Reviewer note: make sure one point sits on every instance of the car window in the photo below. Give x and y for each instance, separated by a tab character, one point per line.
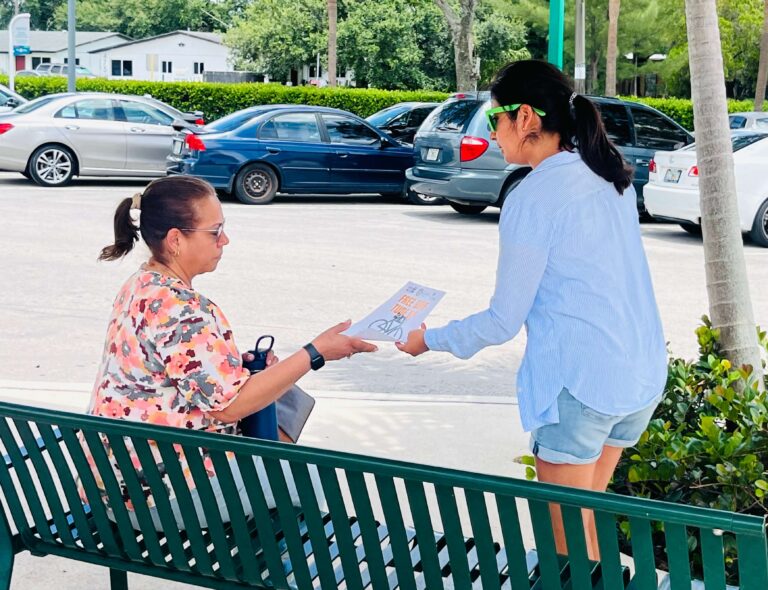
616	122
385	116
737	122
33	105
418	116
136	112
291	127
98	109
761	123
451	116
345	130
743	141
655	132
401	119
232	121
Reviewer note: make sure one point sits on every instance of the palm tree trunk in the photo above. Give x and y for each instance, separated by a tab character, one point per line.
730	306
762	69
332	17
461	28
614	7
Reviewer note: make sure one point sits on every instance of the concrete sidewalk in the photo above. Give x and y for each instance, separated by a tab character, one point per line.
476	434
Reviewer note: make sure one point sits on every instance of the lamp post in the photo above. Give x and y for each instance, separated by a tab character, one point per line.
580	67
71	57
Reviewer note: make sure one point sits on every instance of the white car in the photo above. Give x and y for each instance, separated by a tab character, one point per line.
672	192
751	120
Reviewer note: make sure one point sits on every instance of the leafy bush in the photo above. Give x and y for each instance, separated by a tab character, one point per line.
706	445
681	109
217	99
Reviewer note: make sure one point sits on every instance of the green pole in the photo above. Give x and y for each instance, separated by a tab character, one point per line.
556	31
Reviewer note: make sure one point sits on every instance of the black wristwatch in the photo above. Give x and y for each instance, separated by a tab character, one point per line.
316	360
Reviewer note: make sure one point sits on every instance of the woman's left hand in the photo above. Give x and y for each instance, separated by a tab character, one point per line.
415	344
271	358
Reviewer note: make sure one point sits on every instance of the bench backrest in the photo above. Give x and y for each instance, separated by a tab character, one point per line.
379	528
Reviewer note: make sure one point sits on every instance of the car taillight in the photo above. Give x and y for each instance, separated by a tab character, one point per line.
694	171
200	121
5	127
472	148
652	166
194	142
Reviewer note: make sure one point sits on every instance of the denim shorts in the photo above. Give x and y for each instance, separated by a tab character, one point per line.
581	434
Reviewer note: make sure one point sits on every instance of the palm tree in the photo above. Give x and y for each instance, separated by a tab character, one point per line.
762	69
332	16
614	6
730	306
460	24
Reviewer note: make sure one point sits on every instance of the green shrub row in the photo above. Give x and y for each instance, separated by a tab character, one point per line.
219	99
681	109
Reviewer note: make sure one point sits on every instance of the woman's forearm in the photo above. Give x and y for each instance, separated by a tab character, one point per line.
265	387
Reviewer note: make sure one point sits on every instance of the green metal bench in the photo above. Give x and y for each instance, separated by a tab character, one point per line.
389	524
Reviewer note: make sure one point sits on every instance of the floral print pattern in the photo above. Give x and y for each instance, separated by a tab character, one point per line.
170	358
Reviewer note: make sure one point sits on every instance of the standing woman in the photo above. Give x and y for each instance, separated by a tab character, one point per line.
572	269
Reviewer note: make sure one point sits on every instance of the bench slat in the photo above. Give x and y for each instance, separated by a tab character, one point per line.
288	521
27	484
580	568
128	548
679	560
369	529
642	554
382	534
753	573
343	528
425	534
545	544
714	565
607	541
398	538
517	567
481	531
454	536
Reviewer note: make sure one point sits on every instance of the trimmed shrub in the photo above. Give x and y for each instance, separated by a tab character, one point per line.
217	99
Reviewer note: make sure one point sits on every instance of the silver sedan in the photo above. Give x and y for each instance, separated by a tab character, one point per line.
59	136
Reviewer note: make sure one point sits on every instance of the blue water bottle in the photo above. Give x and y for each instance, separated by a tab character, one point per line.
262	424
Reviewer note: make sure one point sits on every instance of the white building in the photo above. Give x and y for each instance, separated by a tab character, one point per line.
51	46
176	56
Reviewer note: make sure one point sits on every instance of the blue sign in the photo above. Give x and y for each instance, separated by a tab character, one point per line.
21	50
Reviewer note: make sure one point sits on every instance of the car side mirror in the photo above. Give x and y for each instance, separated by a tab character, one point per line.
12	103
388	142
397	125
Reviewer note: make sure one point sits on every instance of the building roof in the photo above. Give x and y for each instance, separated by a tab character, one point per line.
210	37
54	41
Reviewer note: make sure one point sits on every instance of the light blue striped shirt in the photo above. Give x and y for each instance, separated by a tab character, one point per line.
572	269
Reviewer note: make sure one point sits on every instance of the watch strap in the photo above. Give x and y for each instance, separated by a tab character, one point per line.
316	360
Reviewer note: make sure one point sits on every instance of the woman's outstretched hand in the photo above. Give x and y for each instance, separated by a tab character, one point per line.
415	344
334	345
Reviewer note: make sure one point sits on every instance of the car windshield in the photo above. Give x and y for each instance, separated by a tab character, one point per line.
737	141
452	116
385	116
233	121
33	105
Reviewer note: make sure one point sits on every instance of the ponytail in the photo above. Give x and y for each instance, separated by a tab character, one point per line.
572	116
597	151
126	233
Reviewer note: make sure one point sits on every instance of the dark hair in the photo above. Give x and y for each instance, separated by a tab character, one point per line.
164	204
577	120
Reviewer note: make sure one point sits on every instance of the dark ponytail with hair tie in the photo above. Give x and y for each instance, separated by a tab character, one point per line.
126	232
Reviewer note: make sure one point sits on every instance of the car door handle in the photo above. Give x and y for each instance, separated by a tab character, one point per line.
642	161
342	154
137	130
273	150
72	127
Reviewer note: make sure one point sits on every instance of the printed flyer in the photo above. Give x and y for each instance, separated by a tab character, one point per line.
401	313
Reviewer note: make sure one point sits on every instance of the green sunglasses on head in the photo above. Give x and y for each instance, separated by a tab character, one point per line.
491	113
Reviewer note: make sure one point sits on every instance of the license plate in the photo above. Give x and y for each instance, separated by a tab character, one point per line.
672	175
432	155
177	147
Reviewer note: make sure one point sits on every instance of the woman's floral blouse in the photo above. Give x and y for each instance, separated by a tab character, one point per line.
169	359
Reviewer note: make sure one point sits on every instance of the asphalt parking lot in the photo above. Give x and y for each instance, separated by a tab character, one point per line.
292	269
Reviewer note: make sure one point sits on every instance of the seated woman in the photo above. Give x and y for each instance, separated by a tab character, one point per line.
170	356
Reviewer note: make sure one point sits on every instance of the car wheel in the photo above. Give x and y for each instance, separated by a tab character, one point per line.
468	209
421	199
52	165
759	233
692	228
256	184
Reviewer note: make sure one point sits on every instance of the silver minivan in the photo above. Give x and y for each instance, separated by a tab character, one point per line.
456	159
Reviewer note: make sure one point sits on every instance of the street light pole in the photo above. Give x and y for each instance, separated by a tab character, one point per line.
580	67
71	57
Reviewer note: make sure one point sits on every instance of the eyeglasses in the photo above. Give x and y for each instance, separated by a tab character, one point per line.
218	231
491	113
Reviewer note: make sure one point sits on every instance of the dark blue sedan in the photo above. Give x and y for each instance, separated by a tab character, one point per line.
256	152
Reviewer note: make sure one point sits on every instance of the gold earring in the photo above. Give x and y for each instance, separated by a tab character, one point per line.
176	254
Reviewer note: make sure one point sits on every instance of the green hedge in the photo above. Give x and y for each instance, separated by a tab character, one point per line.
681	109
218	99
